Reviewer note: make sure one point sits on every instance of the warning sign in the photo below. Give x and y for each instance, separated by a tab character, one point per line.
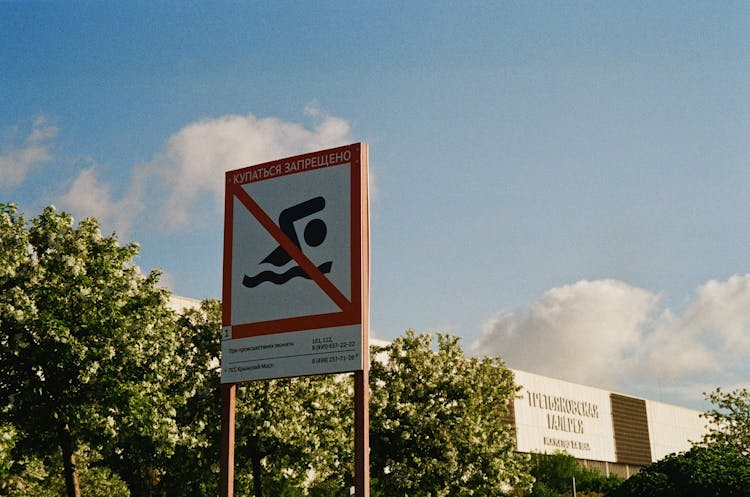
295	283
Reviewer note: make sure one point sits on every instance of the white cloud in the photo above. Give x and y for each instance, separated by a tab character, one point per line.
585	330
712	334
17	161
87	196
183	185
610	334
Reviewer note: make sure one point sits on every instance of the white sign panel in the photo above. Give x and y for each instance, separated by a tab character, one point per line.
296	266
296	353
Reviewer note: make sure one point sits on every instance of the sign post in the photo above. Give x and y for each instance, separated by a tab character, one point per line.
296	282
226	463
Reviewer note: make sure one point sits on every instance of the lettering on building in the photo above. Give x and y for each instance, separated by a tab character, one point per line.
565	416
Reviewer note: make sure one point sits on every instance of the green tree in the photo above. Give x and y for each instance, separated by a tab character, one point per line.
293	435
436	423
553	475
7	443
87	348
32	476
296	434
729	420
701	471
192	470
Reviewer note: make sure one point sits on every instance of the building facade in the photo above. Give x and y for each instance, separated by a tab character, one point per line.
610	432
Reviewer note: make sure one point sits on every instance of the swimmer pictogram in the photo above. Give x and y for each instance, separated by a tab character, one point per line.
314	234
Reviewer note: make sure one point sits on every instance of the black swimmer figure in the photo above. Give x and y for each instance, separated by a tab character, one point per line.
314	234
315	231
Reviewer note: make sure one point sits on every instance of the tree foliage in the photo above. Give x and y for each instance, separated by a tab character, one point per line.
87	347
295	434
34	476
729	420
436	421
701	471
192	470
553	476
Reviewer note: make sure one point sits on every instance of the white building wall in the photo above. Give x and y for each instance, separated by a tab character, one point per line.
180	304
672	428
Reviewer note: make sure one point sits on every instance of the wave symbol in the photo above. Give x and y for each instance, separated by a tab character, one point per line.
281	278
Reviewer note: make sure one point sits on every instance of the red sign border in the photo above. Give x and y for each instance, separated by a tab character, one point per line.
351	313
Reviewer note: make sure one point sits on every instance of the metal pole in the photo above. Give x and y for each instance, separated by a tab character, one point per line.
361	434
574	486
226	461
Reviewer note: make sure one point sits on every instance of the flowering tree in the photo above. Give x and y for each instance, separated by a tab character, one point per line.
86	348
294	435
729	420
436	423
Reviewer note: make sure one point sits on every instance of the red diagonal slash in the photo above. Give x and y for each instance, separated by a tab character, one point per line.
299	257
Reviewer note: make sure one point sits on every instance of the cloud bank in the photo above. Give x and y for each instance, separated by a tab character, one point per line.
17	160
182	186
610	334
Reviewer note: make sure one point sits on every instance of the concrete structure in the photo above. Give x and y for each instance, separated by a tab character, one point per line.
180	304
608	431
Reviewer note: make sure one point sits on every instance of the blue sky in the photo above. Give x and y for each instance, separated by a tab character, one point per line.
564	184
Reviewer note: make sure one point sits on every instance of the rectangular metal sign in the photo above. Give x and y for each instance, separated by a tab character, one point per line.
296	266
